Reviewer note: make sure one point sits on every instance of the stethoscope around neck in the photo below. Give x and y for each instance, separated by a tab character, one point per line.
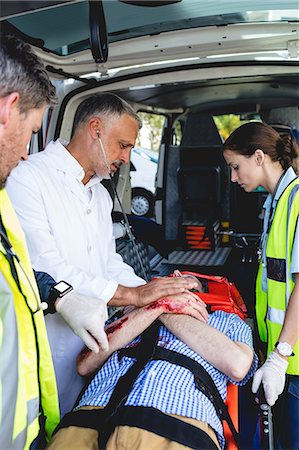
41	306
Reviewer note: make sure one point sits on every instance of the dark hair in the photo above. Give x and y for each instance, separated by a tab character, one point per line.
103	105
22	71
251	136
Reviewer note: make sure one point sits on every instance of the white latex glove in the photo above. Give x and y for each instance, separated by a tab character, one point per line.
272	376
86	316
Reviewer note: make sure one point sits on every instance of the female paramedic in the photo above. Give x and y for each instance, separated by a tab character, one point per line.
258	156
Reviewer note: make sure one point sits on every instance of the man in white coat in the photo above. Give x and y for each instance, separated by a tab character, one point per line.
65	212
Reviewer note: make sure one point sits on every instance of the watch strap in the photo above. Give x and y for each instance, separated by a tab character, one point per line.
53	296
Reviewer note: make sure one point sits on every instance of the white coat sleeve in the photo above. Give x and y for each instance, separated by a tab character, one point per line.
26	196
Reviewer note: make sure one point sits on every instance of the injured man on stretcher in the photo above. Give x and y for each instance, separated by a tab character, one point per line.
146	393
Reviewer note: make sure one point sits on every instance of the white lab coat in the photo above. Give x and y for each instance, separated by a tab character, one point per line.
68	227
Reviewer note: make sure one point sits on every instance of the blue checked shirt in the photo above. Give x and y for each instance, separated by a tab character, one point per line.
171	388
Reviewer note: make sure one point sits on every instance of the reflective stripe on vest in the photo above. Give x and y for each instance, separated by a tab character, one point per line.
31	350
275	315
271	305
292	195
9	365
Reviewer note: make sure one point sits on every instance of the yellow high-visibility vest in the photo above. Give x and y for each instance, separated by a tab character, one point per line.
27	378
271	305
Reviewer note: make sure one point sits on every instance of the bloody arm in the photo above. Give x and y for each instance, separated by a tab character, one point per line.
124	330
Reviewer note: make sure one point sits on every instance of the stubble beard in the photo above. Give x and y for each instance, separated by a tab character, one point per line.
7	163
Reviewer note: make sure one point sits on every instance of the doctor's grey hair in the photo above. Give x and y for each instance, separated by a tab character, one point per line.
22	71
103	105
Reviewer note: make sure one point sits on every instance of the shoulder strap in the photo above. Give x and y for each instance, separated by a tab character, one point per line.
144	353
202	379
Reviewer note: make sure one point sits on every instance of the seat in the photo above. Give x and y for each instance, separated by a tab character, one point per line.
201	182
202	190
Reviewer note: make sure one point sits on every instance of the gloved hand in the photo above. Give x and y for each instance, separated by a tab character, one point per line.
86	316
272	376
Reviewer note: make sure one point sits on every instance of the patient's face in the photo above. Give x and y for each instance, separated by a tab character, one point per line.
199	286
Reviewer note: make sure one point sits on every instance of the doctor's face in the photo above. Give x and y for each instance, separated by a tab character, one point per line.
118	136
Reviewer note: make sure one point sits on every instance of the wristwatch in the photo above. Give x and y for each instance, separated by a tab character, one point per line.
284	349
59	290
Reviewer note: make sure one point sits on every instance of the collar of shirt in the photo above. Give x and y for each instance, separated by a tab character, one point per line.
284	181
64	161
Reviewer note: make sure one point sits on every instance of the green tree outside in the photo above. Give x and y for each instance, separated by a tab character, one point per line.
227	123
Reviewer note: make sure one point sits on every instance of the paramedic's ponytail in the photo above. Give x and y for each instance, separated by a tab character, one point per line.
288	152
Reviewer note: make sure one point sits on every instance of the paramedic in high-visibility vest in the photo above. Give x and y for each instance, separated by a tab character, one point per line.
259	156
29	409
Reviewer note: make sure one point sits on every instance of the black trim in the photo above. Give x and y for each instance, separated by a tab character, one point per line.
150	3
98	32
276	269
83	418
174	429
145	418
88	81
8	255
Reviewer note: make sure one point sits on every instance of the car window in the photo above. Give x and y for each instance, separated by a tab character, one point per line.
144	163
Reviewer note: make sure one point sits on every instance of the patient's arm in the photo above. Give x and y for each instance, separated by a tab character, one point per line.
124	330
232	358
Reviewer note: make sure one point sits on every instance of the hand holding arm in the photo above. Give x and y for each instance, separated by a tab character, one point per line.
124	330
151	291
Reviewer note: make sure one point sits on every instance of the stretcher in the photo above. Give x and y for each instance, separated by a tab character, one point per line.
223	295
265	422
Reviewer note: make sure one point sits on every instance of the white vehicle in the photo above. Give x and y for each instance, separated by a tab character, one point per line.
143	171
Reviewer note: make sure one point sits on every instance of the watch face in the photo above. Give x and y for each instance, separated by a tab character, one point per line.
62	286
284	348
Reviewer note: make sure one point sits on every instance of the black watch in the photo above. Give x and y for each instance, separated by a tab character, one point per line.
57	291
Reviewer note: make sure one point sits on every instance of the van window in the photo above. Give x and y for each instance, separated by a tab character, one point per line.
151	132
177	133
227	123
144	163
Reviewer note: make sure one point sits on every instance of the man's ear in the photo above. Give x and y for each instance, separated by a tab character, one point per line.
7	104
259	157
95	126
